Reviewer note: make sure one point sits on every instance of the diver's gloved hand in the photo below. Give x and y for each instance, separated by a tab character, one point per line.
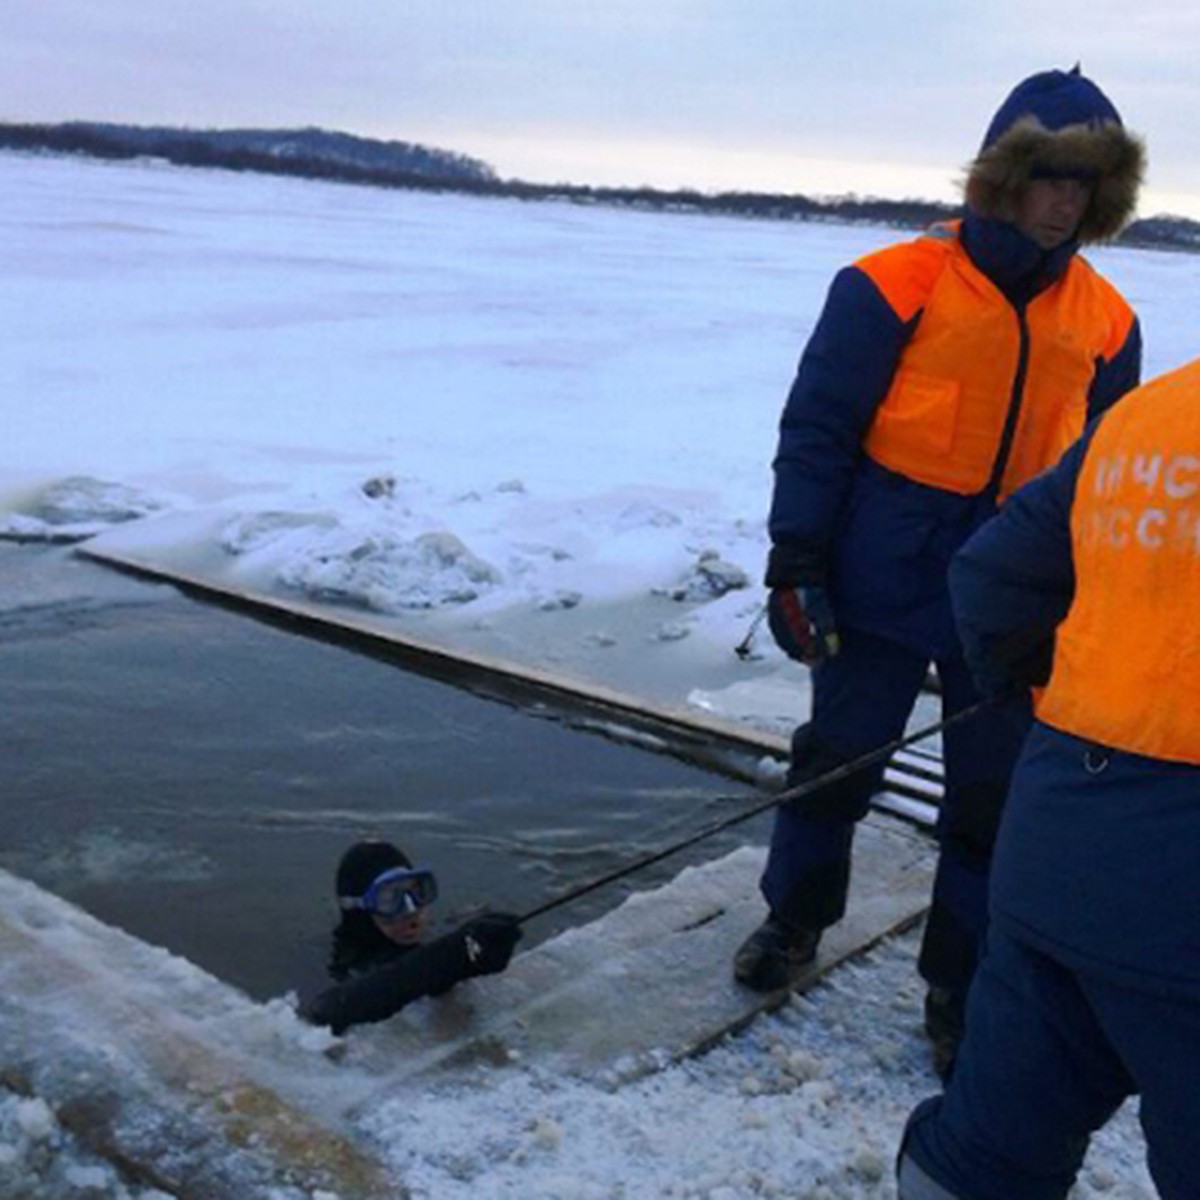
488	942
316	1010
799	611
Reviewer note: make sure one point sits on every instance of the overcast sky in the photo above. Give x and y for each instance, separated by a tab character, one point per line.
818	96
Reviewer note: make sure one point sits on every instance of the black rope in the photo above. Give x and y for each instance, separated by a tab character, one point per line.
795	793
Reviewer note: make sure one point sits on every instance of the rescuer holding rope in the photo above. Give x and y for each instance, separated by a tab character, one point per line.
1089	990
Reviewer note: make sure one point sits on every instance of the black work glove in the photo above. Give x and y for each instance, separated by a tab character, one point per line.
488	942
799	611
1022	660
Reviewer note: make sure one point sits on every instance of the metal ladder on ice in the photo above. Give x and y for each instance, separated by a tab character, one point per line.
913	785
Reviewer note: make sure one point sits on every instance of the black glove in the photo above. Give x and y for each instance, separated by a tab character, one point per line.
318	1010
1023	660
799	612
488	942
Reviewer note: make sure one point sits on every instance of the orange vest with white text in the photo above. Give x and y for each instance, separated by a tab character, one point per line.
942	421
1127	656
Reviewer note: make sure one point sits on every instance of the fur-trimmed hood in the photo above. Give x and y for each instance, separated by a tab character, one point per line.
1059	123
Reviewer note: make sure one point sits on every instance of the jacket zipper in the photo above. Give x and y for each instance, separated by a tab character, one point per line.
1000	464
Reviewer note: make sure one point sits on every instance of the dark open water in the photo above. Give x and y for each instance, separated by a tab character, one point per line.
192	775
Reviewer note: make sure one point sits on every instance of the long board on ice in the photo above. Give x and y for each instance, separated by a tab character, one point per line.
912	783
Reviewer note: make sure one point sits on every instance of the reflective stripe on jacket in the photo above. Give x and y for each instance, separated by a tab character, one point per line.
1127	656
987	395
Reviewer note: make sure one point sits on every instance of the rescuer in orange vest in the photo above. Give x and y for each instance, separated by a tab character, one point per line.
1089	989
943	373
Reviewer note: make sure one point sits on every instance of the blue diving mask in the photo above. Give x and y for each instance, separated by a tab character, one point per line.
397	892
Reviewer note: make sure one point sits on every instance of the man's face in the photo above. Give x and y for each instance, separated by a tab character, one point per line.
1051	209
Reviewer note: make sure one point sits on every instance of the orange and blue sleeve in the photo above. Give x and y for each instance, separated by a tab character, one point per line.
844	374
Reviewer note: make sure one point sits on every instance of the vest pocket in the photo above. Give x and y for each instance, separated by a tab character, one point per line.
919	416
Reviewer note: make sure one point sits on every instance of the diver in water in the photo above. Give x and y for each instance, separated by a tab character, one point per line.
379	961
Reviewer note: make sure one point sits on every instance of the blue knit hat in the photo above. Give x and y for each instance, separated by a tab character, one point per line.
1057	99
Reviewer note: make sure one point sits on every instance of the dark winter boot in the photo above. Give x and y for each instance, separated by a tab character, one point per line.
772	956
944	1023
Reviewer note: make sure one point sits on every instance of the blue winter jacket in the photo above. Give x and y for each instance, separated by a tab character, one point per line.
1098	855
887	540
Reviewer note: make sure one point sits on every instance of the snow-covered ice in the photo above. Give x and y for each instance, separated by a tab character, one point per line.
807	1103
538	430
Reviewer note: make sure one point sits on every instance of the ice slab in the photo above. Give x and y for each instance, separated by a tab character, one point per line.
185	1084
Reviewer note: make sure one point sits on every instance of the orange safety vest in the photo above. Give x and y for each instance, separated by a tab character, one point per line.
942	422
1127	656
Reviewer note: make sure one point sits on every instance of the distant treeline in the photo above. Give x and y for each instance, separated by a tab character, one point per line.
321	154
312	153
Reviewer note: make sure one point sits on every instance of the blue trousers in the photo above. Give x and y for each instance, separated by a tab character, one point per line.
862	699
1050	1053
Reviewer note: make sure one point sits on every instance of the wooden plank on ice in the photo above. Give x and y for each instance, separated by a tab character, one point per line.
687	732
650	982
682	729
